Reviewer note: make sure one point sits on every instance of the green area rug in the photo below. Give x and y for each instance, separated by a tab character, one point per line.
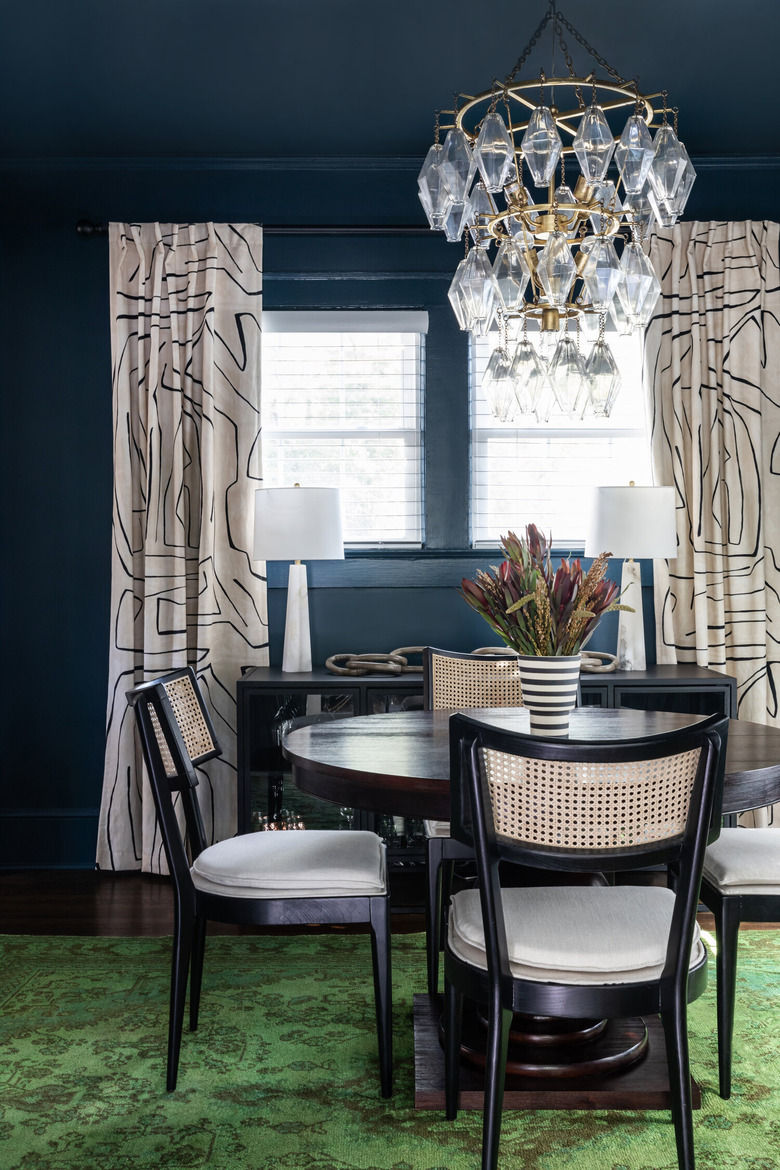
282	1070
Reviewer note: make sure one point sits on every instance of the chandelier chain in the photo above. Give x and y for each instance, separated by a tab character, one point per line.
589	48
529	47
664	95
564	46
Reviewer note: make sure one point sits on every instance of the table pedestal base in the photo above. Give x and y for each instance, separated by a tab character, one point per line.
644	1085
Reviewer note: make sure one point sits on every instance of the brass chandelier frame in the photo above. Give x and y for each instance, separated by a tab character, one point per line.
538	220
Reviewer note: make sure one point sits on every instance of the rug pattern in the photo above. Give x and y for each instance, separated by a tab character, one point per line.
282	1072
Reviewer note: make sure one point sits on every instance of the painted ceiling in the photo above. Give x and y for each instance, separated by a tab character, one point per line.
351	78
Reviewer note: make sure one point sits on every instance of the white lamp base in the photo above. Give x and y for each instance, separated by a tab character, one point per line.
297	639
631	626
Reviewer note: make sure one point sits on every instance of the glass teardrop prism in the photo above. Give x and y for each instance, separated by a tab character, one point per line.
556	269
541	145
602	378
594	144
457	164
494	152
512	274
529	376
567	377
601	272
434	192
634	154
498	385
668	165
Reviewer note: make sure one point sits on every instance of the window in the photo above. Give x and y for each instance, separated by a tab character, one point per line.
342	401
542	472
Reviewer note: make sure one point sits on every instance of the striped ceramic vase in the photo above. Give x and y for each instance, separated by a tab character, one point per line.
549	691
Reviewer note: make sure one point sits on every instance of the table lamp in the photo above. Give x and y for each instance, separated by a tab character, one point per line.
292	524
632	522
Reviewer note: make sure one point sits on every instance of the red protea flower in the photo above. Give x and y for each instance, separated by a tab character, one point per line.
558	620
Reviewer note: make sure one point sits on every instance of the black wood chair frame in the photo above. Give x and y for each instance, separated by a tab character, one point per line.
742	793
193	908
441	853
503	994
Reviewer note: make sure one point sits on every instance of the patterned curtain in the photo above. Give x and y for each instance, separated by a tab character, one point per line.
185	337
712	359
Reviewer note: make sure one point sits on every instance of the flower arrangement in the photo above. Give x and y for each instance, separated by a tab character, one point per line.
538	612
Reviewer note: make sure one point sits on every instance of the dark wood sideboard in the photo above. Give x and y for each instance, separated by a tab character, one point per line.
271	701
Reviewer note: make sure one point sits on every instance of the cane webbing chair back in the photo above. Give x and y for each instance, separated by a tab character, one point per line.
177	736
186	715
461	681
162	743
601	799
570	804
189	714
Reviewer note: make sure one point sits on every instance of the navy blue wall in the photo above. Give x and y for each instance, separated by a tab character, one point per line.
55	441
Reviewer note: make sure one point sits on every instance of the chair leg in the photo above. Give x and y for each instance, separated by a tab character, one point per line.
445	893
453	1026
675	1022
495	1075
183	929
196	969
727	918
434	852
383	989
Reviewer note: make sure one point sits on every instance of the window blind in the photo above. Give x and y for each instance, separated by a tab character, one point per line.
543	473
342	402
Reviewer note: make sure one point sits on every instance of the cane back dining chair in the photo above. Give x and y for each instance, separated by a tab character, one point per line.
741	883
457	681
577	951
261	879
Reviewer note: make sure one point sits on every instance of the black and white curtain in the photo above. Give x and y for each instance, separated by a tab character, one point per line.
712	359
185	336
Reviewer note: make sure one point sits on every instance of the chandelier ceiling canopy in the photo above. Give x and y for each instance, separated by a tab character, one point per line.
606	167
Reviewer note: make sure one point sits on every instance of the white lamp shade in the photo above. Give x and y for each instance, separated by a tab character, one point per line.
298	523
632	522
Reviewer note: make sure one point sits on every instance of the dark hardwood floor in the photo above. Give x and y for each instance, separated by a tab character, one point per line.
91	902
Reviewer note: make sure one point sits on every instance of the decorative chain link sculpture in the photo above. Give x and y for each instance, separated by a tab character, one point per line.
395	662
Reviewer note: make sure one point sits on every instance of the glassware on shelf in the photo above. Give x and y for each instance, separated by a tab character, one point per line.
285	819
346	818
387	830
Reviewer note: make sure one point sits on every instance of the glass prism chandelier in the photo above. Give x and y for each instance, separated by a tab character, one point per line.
571	255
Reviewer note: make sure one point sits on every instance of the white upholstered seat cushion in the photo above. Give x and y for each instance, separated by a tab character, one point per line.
308	863
574	934
436	828
744	861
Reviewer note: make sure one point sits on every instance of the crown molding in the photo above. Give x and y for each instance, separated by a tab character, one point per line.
399	164
330	277
212	163
736	162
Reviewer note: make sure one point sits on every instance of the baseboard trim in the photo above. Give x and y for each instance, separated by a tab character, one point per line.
48	838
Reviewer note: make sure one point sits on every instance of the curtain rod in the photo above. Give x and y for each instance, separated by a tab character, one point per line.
86	229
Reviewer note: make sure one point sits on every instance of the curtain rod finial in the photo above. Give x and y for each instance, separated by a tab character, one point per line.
86	229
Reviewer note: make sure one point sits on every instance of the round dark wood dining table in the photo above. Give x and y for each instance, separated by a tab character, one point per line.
399	763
